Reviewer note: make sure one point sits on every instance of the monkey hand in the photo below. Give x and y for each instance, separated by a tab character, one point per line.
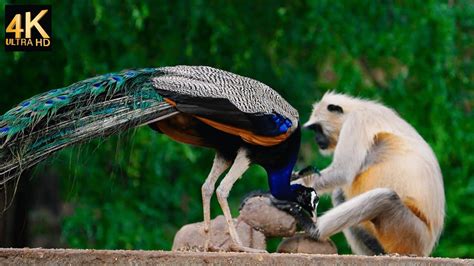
306	177
307	171
302	217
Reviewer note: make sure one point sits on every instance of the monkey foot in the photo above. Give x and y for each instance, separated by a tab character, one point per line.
240	248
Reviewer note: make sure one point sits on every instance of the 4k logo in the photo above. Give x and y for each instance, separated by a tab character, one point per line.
28	28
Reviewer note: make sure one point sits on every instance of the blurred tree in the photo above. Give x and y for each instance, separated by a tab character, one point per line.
135	190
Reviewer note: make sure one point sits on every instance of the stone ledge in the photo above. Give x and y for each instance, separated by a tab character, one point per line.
79	256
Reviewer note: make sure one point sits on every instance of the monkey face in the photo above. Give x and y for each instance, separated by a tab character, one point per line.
326	121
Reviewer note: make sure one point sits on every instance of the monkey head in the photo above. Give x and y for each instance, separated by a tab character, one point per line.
326	120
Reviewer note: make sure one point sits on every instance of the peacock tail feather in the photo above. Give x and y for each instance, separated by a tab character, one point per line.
95	107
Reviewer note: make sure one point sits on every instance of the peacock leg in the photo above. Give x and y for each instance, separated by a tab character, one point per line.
241	164
207	189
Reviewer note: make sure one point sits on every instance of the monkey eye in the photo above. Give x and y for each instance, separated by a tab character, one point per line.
335	108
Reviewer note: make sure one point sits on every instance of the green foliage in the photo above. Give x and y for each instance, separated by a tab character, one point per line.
136	190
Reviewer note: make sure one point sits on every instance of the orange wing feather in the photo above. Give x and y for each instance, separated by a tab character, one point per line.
246	135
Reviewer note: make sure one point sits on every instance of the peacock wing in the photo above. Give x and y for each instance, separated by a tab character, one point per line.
229	102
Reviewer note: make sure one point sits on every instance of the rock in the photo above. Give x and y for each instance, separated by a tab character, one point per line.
191	237
259	213
301	243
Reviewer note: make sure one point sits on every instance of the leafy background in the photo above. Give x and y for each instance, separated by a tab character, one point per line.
135	190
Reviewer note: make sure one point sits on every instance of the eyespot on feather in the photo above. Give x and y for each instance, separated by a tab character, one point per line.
117	78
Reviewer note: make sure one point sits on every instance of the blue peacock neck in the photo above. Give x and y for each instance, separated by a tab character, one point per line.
279	175
279	181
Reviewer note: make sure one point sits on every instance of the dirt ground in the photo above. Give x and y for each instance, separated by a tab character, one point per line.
75	257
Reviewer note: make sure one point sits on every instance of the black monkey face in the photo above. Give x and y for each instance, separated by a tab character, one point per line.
326	121
321	139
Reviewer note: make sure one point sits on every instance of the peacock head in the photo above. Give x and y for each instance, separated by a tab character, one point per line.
306	197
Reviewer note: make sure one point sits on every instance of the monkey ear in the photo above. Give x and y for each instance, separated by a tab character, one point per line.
335	108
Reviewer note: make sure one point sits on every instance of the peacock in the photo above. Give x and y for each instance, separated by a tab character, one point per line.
243	120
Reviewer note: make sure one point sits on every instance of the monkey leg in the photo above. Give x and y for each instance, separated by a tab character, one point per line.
241	164
218	167
384	215
360	241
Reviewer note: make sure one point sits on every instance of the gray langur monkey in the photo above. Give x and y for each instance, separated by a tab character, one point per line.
386	183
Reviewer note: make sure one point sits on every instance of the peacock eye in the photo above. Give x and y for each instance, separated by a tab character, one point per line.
335	108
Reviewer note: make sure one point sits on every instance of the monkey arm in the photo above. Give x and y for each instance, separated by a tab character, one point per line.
305	176
355	139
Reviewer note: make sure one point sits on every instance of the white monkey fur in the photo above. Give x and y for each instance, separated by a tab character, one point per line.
390	177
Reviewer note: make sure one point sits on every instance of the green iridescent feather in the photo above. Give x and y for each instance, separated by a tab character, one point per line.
36	108
95	107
